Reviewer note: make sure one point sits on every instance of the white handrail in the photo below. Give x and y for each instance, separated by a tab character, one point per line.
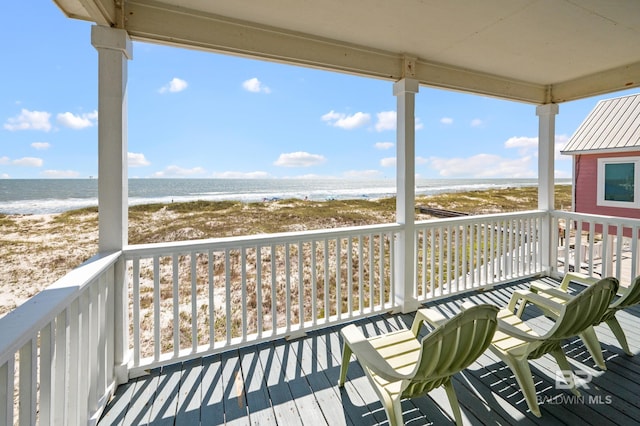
56	349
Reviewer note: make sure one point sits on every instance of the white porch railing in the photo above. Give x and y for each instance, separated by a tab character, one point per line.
57	350
595	245
460	254
62	352
200	297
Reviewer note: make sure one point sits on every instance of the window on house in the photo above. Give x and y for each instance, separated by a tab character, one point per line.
618	184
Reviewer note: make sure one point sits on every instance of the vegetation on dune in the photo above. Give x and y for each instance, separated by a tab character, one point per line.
44	248
496	200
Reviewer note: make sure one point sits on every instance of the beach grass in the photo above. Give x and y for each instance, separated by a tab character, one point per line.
39	249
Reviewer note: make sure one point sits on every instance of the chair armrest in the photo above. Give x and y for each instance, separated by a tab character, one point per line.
578	278
541	287
526	296
552	291
512	331
367	355
430	316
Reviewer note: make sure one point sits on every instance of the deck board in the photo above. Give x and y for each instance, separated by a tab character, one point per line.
235	404
165	403
295	382
190	394
212	391
286	411
258	402
119	405
323	389
144	393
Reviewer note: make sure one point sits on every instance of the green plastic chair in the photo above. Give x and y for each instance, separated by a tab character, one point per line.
398	365
516	343
628	296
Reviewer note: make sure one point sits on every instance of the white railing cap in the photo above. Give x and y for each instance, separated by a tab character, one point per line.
21	324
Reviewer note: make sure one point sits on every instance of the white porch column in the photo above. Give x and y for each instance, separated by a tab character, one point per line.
405	268
114	49
546	183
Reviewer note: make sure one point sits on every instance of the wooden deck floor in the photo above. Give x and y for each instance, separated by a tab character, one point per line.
295	383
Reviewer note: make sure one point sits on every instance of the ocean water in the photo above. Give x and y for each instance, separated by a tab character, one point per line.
39	196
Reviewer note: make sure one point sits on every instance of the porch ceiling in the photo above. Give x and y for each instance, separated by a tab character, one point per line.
537	51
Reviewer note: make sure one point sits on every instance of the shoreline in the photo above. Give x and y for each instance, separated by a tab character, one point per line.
38	249
82	193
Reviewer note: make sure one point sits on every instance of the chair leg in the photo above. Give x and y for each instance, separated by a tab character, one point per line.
392	407
593	345
561	359
520	310
614	325
522	371
346	357
453	400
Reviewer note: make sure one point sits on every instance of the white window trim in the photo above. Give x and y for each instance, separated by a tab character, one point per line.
636	184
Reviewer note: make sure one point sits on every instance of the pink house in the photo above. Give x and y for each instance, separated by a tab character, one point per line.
606	159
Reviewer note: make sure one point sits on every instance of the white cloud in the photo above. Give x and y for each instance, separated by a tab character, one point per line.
28	162
388	162
476	122
529	146
561	142
5	176
4	160
386	121
174	86
446	120
332	116
29	120
421	160
60	173
41	145
525	145
345	121
384	145
299	159
176	171
255	86
521	142
135	159
362	174
82	121
241	175
484	166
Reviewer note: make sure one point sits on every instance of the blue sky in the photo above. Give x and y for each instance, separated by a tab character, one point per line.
201	115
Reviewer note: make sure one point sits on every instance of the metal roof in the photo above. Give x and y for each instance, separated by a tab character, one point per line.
613	125
536	51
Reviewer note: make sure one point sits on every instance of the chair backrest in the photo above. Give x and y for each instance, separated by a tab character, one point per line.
631	296
587	308
453	346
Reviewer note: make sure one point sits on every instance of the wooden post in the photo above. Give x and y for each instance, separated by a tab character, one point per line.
405	268
114	49
546	184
